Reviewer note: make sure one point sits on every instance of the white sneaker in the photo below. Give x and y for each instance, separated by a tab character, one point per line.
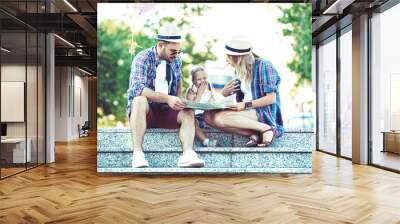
210	143
190	159
138	160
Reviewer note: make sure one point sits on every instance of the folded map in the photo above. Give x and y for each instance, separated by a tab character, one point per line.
207	106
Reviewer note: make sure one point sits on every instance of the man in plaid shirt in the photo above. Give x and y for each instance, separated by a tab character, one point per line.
148	108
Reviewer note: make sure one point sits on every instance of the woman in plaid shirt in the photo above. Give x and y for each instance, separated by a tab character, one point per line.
258	116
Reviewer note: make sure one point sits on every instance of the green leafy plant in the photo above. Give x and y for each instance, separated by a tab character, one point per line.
298	21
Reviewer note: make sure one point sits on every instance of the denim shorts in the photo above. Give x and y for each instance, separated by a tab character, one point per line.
200	119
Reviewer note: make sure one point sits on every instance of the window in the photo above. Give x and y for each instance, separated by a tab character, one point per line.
327	96
22	65
385	87
346	92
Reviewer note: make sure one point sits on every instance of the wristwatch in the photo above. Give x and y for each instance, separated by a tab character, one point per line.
248	105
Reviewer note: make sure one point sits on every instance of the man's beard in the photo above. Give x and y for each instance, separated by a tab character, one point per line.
164	55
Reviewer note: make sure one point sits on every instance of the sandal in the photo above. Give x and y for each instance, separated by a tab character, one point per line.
267	143
253	141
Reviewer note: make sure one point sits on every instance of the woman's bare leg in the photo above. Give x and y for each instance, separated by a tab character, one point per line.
209	118
240	120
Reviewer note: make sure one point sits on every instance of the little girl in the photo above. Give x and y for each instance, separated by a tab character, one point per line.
201	92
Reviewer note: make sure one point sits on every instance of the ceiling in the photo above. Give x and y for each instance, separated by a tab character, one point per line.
330	15
74	22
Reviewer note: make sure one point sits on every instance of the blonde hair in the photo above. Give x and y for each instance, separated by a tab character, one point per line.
244	65
196	69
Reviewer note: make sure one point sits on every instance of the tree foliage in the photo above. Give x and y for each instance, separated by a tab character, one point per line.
298	21
113	66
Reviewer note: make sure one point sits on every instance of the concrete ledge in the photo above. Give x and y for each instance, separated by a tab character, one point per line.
211	149
200	171
207	130
171	139
212	159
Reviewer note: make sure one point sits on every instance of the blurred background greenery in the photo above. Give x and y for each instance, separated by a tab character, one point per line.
118	43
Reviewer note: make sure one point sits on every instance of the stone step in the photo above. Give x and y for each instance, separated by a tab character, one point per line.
159	138
231	157
207	171
210	149
128	130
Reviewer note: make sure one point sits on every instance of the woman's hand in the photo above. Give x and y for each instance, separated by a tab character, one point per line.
230	88
237	107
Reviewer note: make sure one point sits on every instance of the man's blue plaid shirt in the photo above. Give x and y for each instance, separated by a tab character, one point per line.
143	74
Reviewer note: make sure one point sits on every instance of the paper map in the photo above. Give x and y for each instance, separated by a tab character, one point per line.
207	106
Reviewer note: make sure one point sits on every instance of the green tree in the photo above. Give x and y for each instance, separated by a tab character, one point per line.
113	66
191	57
298	21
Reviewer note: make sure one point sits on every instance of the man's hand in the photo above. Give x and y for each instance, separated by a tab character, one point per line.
230	88
237	107
176	103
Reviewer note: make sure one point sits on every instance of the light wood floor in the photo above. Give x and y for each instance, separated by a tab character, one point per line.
10	171
387	159
70	191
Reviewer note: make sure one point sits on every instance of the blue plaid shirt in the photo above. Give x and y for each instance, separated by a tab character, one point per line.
143	74
266	80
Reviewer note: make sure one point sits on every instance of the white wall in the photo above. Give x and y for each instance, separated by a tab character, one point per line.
12	73
61	103
33	127
16	73
71	94
80	115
